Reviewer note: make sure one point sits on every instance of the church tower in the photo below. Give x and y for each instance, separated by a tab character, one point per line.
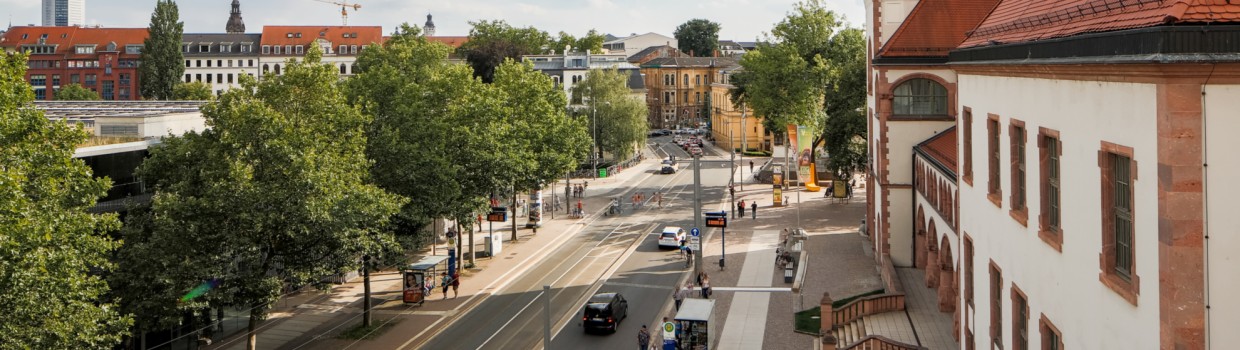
429	28
235	25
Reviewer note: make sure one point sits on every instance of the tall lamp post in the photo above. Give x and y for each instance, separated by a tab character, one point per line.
594	149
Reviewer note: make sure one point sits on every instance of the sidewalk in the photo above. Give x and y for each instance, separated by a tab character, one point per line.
313	319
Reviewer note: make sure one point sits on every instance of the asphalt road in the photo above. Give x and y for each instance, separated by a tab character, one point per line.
612	254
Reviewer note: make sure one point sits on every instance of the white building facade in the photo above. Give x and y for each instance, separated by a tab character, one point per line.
219	60
635	43
570	68
340	46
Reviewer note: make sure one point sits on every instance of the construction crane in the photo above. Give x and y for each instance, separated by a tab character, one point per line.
344	8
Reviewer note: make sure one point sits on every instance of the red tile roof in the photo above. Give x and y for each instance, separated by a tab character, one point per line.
337	35
67	39
942	148
1029	20
936	27
451	41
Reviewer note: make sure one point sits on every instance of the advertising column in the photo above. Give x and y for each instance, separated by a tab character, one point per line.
535	209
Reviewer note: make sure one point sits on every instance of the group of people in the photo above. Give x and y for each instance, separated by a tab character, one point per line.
686	291
579	190
753	207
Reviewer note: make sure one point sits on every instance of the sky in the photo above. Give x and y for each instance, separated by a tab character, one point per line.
740	20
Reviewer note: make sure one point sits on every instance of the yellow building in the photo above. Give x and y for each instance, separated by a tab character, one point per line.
678	89
731	127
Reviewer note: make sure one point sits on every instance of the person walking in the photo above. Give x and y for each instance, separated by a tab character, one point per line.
643	338
678	297
740	208
754	208
447	283
579	213
456	282
705	283
751	167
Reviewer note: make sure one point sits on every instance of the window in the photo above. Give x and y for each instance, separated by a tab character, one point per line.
208	63
996	305
266	49
343	49
90	79
84	49
992	133
1051	338
301	49
1017	142
197	77
219	63
209	80
353	49
686	98
204	48
189	78
686	80
246	47
230	63
1118	261
288	49
968	270
40	93
225	48
697	97
1049	151
230	78
75	79
188	63
133	49
697	80
38	80
198	63
920	97
1020	319
251	63
108	90
277	69
124	79
185	47
219	78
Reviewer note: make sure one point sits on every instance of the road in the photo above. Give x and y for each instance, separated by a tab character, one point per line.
611	254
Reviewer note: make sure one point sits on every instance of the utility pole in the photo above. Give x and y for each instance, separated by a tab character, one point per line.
514	211
743	148
697	210
366	290
547	318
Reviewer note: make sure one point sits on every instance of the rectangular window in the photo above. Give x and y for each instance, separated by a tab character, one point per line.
85	49
108	90
992	133
697	80
996	305
198	63
1016	142
266	49
230	78
1049	151
225	48
189	78
245	48
301	49
90	79
288	49
1020	320
277	48
208	63
1118	232
209	80
185	47
56	80
353	49
188	63
968	270
966	125
38	80
342	50
204	48
197	77
40	93
1051	338
219	63
75	79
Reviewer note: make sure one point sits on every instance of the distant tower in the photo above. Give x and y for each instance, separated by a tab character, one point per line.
235	25
429	28
64	12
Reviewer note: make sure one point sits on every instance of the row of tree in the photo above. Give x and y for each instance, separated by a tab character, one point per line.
810	71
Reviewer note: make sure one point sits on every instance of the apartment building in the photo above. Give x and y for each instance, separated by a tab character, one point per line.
340	45
104	60
678	89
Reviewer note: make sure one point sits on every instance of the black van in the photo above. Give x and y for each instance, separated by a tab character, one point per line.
604	311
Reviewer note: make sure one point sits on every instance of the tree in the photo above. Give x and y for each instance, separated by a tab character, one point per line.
491	42
592	42
52	250
783	88
844	133
275	193
75	92
698	37
193	91
608	102
162	61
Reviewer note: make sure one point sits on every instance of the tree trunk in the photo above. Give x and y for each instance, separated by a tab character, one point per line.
251	338
219	315
514	212
460	241
471	242
366	291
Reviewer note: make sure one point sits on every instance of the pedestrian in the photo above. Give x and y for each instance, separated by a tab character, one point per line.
579	211
751	167
732	190
850	187
678	297
754	208
456	283
643	338
740	208
447	283
705	286
585	185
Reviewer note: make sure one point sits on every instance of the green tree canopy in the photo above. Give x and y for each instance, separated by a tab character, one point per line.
592	42
51	248
844	133
193	91
545	141
698	37
75	92
275	192
491	42
608	101
162	61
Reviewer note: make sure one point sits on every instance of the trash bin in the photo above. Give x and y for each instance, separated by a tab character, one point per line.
602	172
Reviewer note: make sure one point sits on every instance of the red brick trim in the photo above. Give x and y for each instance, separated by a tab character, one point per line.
1047	328
890	89
1017	294
1018	141
966	138
1052	236
1181	253
1128	288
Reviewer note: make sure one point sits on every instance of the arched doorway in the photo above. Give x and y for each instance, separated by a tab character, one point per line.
947	278
932	256
919	239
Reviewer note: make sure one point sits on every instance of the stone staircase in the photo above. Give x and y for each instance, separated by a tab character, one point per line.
851	333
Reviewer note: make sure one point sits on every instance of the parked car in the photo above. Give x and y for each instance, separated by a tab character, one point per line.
697	151
671	237
668	169
604	311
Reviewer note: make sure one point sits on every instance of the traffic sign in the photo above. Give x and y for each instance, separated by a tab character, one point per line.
669	330
716	221
695	243
695	232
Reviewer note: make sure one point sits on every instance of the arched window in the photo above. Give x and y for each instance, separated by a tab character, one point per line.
277	69
343	70
266	69
920	97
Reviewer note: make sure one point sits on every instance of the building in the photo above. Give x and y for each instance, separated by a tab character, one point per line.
235	24
570	68
634	43
678	89
63	13
428	29
730	48
104	60
733	127
653	52
220	59
340	45
1066	175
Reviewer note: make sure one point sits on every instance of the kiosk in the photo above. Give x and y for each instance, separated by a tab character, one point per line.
419	278
694	323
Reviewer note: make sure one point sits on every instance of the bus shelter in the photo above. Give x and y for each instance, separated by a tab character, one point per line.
695	322
419	278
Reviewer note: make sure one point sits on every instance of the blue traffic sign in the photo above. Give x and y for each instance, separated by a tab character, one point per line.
695	232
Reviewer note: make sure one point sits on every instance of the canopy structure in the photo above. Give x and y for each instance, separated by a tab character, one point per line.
694	309
428	262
